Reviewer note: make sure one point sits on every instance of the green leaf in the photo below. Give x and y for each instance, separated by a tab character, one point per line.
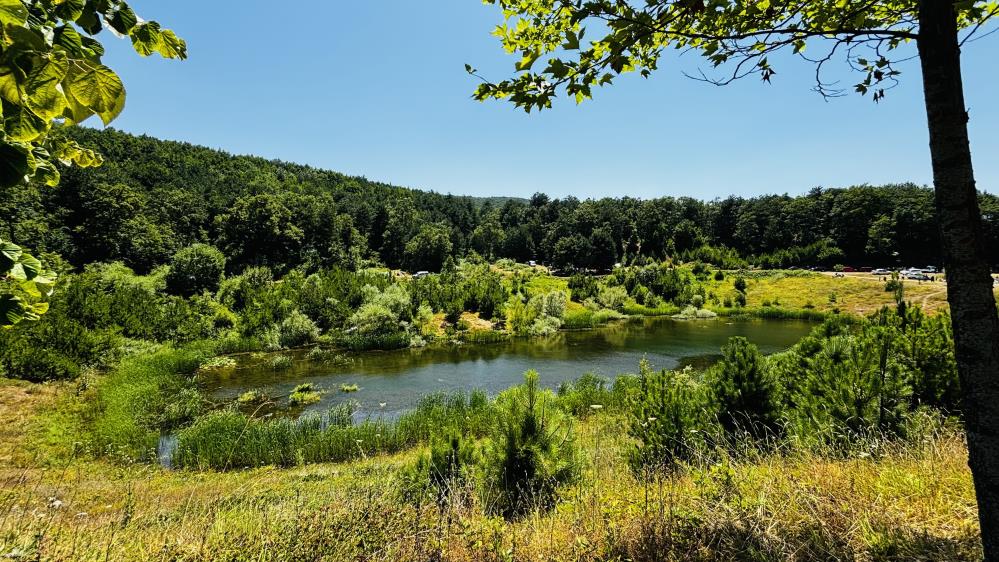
11	310
10	254
123	19
22	124
99	89
15	163
43	94
146	38
13	12
69	10
171	46
31	265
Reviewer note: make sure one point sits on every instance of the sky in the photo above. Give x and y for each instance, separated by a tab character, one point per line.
378	89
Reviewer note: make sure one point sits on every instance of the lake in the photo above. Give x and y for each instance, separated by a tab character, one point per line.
398	379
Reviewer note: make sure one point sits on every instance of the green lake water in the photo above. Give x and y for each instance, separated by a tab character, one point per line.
393	381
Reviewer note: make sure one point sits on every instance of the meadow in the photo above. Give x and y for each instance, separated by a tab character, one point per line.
888	501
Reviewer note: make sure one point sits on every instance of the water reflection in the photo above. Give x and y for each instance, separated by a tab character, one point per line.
399	378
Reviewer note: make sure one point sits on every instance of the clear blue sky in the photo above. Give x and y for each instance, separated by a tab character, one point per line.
378	89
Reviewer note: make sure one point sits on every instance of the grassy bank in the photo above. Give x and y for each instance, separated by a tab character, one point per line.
913	502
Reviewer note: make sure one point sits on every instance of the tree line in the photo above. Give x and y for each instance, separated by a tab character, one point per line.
153	197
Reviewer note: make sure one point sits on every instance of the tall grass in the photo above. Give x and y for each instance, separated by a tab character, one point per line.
584	318
228	439
358	342
774	313
143	396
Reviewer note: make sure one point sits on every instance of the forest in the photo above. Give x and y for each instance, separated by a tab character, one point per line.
151	198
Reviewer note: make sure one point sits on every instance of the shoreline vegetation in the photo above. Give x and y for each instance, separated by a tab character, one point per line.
846	446
644	467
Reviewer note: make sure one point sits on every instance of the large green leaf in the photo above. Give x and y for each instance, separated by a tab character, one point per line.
31	265
15	163
22	124
11	310
13	12
99	89
10	254
69	10
43	94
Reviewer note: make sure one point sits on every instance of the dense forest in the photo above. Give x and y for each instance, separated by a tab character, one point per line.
153	197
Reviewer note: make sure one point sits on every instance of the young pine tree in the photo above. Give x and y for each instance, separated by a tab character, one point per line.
745	395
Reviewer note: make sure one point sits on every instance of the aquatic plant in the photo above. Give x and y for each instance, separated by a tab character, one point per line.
304	394
280	362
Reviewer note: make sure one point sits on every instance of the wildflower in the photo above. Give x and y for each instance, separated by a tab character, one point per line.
55	503
651	419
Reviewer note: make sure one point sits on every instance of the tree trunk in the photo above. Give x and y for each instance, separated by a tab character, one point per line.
969	284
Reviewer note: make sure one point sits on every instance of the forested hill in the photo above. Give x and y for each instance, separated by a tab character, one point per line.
154	197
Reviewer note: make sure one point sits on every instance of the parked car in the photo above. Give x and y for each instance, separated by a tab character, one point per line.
917	276
880	271
930	269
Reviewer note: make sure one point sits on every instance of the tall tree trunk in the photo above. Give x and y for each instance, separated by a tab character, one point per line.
969	284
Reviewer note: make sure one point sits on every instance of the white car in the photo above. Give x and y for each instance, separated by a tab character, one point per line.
880	271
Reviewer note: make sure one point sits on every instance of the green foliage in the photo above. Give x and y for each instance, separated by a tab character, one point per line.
55	76
740	284
531	450
428	249
583	287
303	395
672	418
445	471
196	269
227	439
24	285
297	330
745	395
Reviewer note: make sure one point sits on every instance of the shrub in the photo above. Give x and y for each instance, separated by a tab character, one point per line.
719	275
740	284
280	362
551	304
445	470
697	301
613	297
297	330
531	451
545	326
671	418
195	269
740	299
745	395
583	287
580	396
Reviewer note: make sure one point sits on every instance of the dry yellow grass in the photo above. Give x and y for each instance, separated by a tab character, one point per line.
855	293
910	503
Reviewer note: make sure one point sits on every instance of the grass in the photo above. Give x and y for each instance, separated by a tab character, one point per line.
855	293
228	439
913	503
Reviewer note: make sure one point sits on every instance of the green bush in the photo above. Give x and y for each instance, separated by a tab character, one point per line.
745	395
195	269
446	470
531	450
671	418
298	330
